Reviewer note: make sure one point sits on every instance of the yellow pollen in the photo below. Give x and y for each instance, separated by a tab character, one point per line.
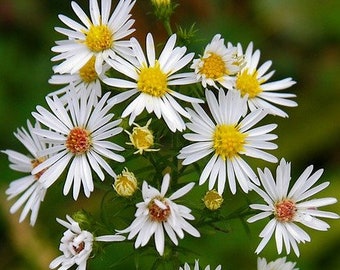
248	83
78	141
88	73
213	67
35	163
157	213
152	81
228	141
99	38
285	210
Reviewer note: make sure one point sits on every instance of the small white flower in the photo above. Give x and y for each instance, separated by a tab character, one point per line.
78	135
252	82
84	80
227	138
158	213
99	36
30	187
152	79
197	266
217	64
289	207
76	245
279	264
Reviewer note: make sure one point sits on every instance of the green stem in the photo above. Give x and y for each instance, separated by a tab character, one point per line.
167	27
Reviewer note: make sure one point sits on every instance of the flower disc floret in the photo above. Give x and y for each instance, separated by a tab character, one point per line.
228	141
152	81
285	210
159	210
88	72
99	38
213	67
248	84
78	141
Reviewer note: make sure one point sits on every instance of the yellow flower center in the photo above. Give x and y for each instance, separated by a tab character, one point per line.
35	163
125	183
78	141
99	38
88	72
152	81
213	67
248	83
156	213
228	141
212	200
285	210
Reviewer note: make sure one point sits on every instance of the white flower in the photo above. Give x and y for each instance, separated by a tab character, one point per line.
151	81
99	36
279	264
197	266
289	207
217	64
84	80
158	213
30	187
252	82
76	245
78	135
227	138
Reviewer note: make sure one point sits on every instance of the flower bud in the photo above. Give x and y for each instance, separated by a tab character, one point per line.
212	200
125	183
142	138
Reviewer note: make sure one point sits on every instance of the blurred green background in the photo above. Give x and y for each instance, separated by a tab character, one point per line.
301	37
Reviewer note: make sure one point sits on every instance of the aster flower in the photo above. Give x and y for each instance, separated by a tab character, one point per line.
197	266
78	136
158	213
76	245
151	81
142	138
279	264
98	36
227	138
288	207
30	187
252	82
218	64
86	79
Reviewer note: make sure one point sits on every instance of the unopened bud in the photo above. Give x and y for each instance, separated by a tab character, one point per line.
212	200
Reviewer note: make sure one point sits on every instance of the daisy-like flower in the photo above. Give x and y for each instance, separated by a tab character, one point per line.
85	79
30	187
279	264
289	207
227	138
158	213
197	266
218	64
99	36
76	245
78	135
251	82
151	81
142	138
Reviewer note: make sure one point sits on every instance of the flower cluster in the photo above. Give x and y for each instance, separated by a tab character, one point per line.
79	138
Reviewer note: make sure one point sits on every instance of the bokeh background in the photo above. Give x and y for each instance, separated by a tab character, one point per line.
301	37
